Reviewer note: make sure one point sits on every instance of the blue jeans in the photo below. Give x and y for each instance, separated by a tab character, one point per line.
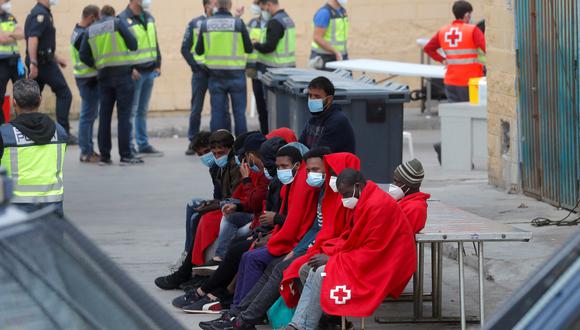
115	89
191	221
199	85
308	312
89	91
219	89
143	89
231	227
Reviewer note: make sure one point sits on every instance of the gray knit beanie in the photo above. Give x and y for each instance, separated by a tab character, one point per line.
411	173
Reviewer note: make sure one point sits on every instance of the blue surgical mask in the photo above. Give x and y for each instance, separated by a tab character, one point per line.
222	161
238	161
208	159
286	176
315	180
267	175
255	168
316	105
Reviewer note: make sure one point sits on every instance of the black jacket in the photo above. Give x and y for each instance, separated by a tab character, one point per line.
330	129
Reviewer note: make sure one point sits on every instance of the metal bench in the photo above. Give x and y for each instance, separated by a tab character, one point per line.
447	224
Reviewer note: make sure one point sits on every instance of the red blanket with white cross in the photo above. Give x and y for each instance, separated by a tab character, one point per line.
377	259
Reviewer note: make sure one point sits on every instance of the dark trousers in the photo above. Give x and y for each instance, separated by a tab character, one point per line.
8	72
457	93
50	74
260	96
117	89
220	87
264	294
199	85
229	266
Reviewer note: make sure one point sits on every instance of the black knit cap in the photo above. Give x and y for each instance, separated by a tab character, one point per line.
410	173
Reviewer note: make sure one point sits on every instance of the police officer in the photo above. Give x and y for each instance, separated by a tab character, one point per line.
10	61
277	47
257	28
147	67
331	26
33	149
106	46
87	82
200	76
224	41
43	62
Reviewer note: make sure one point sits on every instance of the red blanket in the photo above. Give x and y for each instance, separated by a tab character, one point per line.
376	260
334	220
301	213
415	208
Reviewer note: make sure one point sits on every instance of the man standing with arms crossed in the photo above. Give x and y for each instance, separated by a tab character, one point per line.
43	62
200	74
107	47
331	26
147	67
277	49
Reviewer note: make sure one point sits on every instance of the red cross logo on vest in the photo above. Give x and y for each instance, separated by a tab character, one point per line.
453	37
340	295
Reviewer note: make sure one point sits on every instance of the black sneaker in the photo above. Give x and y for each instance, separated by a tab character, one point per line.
236	324
187	299
194	283
150	152
190	151
131	161
105	162
172	281
203	306
227	318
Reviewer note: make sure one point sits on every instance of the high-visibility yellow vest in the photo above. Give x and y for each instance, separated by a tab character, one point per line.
256	31
284	55
35	170
223	43
80	70
146	41
10	49
336	33
200	59
107	45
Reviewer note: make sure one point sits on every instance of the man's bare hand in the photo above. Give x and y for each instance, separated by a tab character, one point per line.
229	208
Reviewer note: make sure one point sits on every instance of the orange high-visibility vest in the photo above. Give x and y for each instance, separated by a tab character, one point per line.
456	40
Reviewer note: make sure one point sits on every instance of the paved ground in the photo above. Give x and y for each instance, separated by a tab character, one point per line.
136	215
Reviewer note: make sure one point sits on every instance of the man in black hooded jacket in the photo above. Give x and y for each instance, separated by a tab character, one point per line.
33	148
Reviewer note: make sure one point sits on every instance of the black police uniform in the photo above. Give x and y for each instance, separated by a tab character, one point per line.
8	67
40	24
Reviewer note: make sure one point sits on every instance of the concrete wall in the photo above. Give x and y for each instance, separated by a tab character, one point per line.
384	29
502	98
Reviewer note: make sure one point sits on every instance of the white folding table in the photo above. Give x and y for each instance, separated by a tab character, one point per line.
394	69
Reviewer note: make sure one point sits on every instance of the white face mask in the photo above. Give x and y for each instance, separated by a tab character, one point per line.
350	203
146	4
396	192
7	7
342	2
255	9
266	15
52	3
332	184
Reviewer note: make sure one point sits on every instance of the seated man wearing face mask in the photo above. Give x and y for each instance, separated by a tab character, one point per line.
328	126
407	181
376	258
